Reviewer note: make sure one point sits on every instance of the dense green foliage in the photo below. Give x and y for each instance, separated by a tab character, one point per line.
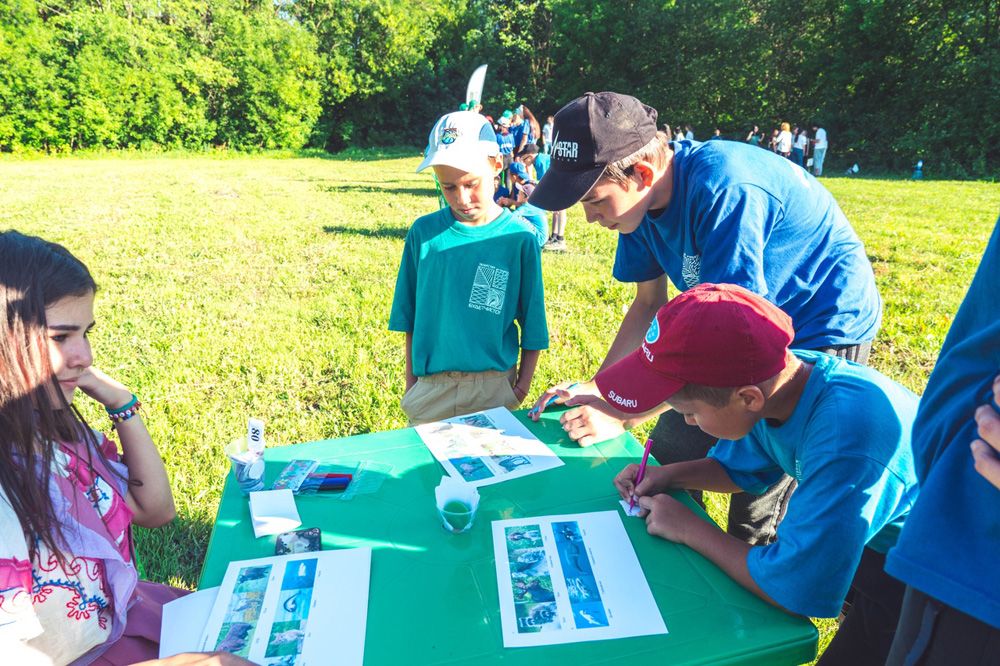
893	80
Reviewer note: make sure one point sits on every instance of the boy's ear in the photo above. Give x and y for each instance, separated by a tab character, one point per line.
644	170
751	397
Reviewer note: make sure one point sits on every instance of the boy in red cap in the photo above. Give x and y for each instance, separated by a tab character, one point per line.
718	354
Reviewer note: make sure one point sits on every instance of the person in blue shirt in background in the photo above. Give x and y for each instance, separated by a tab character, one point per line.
718	211
719	355
530	157
949	552
523	186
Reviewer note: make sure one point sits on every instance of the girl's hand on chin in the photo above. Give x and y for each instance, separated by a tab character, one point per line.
109	392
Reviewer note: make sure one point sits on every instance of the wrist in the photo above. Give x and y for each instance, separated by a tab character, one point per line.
118	401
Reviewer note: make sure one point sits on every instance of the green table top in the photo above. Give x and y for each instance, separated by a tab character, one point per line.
433	596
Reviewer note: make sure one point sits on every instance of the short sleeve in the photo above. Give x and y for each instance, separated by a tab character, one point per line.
732	236
747	464
808	569
634	260
404	299
531	303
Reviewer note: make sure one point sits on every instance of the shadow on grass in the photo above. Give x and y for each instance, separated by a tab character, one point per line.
368	232
174	551
380	187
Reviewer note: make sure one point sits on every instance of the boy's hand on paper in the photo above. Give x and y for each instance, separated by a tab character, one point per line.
593	420
666	517
200	659
561	392
986	449
655	480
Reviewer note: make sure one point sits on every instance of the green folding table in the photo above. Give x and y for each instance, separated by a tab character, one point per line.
433	597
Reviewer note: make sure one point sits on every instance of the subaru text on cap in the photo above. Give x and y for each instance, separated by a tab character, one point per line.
718	335
588	134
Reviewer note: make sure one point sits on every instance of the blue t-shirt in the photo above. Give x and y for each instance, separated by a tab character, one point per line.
537	218
950	548
847	444
749	217
542	162
506	143
471	296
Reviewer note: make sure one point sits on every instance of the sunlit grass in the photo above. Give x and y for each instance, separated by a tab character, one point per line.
261	286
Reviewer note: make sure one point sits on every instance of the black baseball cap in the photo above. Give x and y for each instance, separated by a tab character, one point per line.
588	134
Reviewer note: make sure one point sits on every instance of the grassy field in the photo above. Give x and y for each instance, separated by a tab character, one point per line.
258	286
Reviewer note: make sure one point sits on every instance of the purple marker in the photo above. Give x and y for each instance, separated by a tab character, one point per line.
642	472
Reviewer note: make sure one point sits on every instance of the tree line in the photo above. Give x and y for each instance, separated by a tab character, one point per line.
893	81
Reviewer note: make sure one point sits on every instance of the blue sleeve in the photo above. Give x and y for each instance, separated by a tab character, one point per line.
809	568
634	260
746	464
732	234
404	299
531	306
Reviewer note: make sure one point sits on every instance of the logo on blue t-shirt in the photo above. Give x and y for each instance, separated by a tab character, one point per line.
653	334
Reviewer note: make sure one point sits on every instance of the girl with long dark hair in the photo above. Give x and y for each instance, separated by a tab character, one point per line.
69	590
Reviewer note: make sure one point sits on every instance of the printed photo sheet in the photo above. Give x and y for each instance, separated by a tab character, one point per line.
293	610
487	447
569	579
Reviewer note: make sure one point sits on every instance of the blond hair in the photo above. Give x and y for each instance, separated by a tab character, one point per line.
785	127
654	152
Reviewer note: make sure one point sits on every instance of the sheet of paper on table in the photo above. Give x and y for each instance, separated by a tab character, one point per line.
183	621
487	447
273	512
293	609
631	511
569	579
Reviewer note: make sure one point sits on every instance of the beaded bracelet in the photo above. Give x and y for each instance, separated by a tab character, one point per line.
124	413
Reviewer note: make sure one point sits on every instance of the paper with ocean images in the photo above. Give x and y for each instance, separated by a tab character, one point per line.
487	447
570	579
293	610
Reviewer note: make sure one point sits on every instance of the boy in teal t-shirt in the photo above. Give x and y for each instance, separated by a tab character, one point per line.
469	293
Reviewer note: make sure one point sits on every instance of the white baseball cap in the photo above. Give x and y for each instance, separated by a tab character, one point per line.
463	140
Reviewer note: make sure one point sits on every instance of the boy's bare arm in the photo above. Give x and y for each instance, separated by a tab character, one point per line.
529	361
410	378
673	521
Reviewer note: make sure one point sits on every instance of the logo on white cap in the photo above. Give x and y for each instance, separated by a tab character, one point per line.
449	135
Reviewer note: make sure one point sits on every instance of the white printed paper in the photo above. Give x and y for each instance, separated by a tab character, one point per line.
569	579
487	447
183	621
631	511
273	512
293	610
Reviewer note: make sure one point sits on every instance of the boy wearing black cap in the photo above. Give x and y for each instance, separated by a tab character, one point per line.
718	354
717	211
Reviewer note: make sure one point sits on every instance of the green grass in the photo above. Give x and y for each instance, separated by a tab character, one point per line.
260	286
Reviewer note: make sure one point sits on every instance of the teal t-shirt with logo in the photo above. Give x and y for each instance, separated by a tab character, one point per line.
471	296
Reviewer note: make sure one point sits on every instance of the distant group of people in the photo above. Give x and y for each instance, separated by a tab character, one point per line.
525	148
807	148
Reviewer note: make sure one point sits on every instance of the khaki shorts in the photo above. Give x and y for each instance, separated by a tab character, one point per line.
447	394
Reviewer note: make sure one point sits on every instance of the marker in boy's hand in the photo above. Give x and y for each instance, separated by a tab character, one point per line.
655	480
554	394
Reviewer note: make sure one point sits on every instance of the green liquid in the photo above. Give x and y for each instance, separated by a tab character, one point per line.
458	514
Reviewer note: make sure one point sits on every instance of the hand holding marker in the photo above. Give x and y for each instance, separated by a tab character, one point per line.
535	410
642	473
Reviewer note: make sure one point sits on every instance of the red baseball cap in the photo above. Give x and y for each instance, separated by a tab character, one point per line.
717	335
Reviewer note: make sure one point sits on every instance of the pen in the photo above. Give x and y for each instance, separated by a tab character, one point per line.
642	472
534	410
